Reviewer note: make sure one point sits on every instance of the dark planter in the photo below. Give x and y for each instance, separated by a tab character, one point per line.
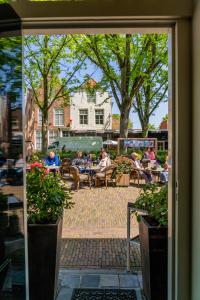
44	241
153	246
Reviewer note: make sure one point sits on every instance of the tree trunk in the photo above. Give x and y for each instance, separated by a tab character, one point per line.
124	122
44	133
145	129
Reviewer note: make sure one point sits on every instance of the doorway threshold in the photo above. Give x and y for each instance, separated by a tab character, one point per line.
74	282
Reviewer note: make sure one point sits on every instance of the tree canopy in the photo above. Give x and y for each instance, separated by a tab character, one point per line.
125	60
51	66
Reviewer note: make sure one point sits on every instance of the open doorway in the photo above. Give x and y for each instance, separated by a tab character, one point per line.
78	108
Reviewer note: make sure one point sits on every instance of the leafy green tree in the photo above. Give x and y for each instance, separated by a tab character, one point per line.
151	126
51	66
154	88
11	66
125	61
165	118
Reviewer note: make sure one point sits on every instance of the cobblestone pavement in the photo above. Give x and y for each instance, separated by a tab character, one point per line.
98	253
100	213
94	230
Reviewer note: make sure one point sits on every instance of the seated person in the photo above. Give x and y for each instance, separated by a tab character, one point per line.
79	160
149	154
90	158
101	153
143	173
52	160
164	174
104	162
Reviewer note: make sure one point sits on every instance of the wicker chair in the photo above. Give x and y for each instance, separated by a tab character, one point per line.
65	166
105	176
135	175
78	178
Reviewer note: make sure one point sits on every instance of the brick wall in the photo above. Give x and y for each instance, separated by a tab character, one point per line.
115	124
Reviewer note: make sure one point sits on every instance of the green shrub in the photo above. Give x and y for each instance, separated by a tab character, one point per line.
46	195
123	166
154	200
161	156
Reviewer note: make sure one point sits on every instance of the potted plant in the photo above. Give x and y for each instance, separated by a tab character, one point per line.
122	171
46	200
153	240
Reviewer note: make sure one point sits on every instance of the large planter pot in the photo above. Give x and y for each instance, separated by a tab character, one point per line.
153	246
44	241
123	180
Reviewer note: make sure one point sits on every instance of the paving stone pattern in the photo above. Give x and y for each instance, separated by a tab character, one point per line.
97	253
94	230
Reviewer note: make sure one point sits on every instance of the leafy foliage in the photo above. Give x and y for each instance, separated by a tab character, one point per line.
126	61
46	195
10	66
123	166
161	156
154	200
154	88
46	58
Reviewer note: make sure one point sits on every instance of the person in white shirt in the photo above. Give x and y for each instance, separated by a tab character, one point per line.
143	173
104	162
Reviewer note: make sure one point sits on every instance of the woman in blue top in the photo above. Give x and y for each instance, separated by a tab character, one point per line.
52	160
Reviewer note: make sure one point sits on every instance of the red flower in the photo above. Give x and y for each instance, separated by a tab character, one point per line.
36	164
46	171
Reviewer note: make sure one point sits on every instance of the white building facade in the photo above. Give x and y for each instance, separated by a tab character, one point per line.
91	111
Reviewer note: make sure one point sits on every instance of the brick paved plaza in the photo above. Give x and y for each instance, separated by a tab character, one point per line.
94	230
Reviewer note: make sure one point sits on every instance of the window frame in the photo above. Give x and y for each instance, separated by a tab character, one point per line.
38	131
54	138
83	115
39	117
59	115
99	115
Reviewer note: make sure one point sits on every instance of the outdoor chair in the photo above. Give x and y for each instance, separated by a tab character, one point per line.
65	166
78	178
135	175
106	175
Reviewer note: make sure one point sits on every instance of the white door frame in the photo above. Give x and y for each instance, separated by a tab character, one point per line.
180	126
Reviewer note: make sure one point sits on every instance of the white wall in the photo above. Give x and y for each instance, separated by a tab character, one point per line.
79	101
196	155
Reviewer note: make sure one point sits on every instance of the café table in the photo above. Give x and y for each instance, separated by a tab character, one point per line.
54	168
90	170
155	172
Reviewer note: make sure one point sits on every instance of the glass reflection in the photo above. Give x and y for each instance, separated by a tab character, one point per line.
12	255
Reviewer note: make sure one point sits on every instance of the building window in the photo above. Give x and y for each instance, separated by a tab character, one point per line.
91	95
59	117
39	117
99	116
65	133
38	145
52	136
83	116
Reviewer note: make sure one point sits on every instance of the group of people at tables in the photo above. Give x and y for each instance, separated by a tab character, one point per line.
85	162
149	157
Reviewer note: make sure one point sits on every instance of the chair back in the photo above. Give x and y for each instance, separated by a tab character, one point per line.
75	173
109	171
66	164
